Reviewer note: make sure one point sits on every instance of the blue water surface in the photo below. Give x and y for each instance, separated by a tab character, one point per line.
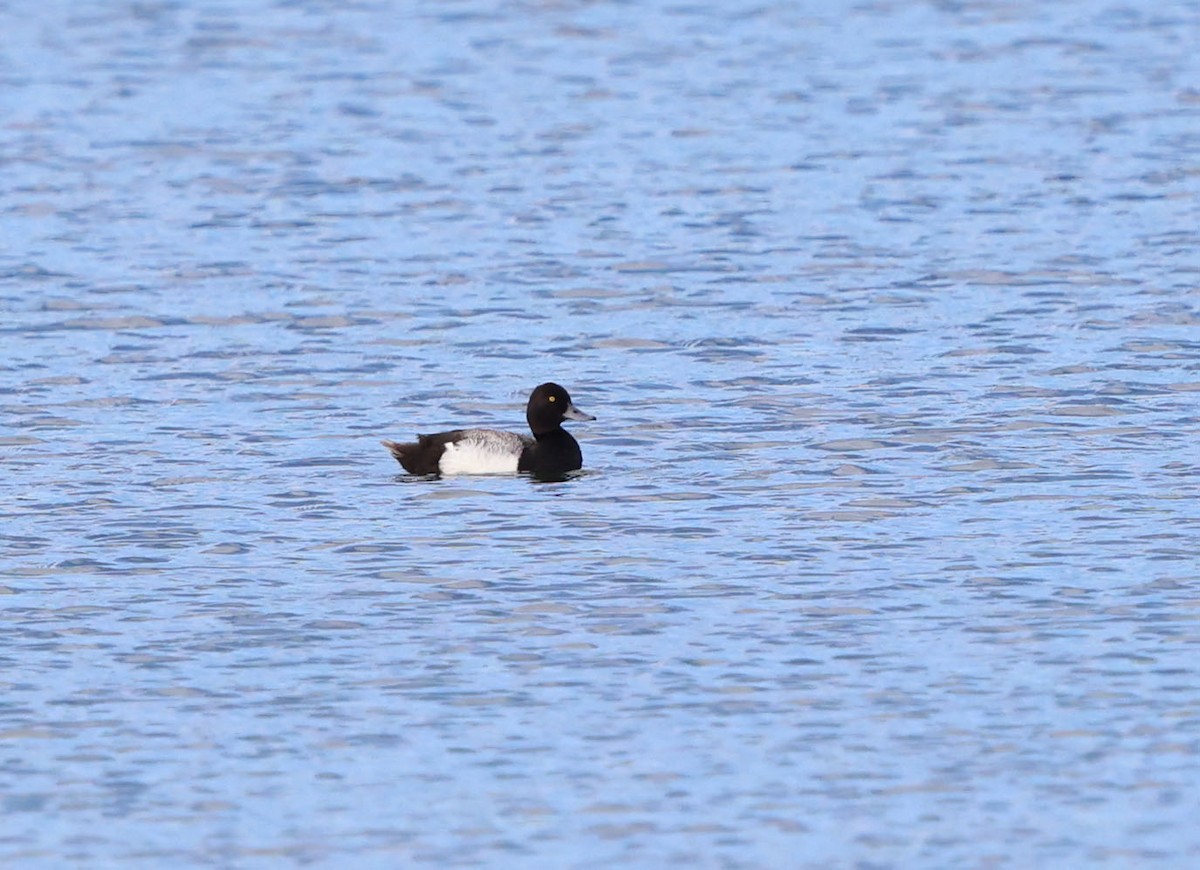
885	549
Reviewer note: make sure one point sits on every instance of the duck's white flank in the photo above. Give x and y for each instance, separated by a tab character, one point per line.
484	451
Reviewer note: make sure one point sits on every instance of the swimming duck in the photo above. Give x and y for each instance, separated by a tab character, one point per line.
551	451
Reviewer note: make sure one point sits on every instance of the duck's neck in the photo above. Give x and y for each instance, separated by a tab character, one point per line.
551	434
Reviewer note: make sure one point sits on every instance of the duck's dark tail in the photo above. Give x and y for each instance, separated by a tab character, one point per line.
421	456
400	451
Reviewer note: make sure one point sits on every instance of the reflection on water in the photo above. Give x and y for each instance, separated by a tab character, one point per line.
884	550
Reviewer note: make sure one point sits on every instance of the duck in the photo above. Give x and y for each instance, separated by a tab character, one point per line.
551	452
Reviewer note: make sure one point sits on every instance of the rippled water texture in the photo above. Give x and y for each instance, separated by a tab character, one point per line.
885	553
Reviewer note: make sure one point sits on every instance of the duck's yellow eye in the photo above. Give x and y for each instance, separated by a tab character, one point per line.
554	398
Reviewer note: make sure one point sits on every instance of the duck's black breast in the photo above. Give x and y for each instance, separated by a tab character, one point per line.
554	452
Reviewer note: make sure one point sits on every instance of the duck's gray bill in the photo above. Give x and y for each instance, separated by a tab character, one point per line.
573	413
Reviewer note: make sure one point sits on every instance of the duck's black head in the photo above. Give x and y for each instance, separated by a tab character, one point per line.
548	406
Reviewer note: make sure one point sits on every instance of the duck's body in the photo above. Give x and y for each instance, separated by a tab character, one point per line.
551	450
